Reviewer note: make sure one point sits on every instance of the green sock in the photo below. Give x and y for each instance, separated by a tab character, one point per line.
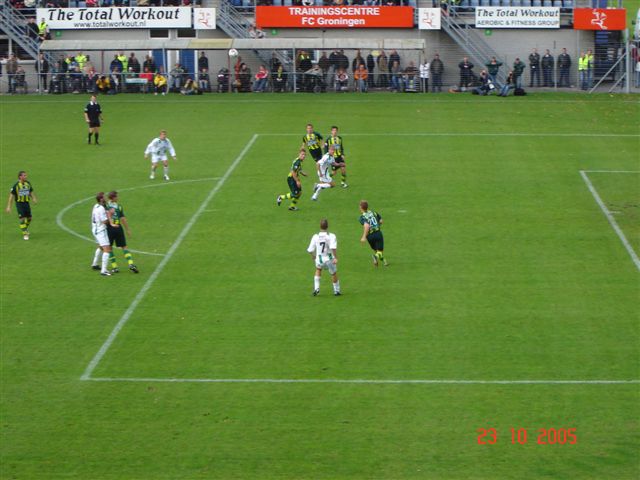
128	256
344	178
23	226
287	196
112	259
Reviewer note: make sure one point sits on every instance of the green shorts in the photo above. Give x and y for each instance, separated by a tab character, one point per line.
376	240
293	186
24	209
116	235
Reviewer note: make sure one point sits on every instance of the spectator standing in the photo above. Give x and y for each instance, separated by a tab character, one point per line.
42	67
343	61
357	61
203	61
371	65
547	69
149	64
583	67
425	73
124	60
324	63
466	72
518	70
534	67
437	69
134	64
564	67
43	30
493	67
396	75
333	60
81	59
115	64
12	68
394	57
590	67
32	30
383	70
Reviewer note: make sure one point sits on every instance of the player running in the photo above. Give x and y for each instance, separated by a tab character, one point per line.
336	140
22	193
293	179
372	222
115	232
324	172
312	140
158	149
323	248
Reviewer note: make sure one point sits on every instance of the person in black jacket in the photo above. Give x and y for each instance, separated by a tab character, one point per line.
466	72
547	69
534	67
42	67
437	69
564	67
371	65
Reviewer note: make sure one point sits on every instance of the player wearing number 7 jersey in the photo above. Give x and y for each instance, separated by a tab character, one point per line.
323	248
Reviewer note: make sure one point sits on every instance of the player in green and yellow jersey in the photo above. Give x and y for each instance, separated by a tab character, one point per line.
313	142
22	193
372	222
115	231
294	181
338	153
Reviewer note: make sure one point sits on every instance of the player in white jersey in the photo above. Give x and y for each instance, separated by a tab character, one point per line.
158	149
323	248
324	167
99	221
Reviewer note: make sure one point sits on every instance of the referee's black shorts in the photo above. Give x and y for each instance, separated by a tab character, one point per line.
94	123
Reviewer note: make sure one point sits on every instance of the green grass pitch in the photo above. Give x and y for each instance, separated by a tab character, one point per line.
503	268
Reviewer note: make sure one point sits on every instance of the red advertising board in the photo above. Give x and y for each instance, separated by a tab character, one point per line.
599	18
334	17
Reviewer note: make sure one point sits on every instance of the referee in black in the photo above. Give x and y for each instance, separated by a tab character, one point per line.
93	116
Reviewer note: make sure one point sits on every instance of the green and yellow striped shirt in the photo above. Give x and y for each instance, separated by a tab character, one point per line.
21	191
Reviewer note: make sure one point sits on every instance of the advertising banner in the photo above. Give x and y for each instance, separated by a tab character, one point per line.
599	18
115	17
429	18
334	17
517	17
204	18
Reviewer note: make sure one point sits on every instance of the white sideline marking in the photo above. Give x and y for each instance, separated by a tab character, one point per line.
361	381
152	278
611	171
612	221
474	134
62	212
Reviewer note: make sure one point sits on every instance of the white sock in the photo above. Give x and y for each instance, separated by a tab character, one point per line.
105	262
336	287
96	256
166	170
316	283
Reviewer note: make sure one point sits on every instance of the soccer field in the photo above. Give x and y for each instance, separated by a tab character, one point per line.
512	228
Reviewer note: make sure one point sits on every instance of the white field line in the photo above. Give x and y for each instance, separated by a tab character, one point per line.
365	381
152	278
62	212
611	171
612	221
473	134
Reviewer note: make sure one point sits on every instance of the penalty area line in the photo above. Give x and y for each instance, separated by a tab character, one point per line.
365	381
612	221
152	278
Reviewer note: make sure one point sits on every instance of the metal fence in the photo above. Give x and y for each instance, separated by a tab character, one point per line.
314	72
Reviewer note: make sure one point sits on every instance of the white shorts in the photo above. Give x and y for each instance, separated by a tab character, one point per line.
327	265
102	238
326	179
158	158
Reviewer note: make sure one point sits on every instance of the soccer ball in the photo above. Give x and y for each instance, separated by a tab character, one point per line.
233	53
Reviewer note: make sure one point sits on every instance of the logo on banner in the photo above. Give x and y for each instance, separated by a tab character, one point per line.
429	18
204	19
599	19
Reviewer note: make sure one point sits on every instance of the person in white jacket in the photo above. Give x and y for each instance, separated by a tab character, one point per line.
425	72
158	149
